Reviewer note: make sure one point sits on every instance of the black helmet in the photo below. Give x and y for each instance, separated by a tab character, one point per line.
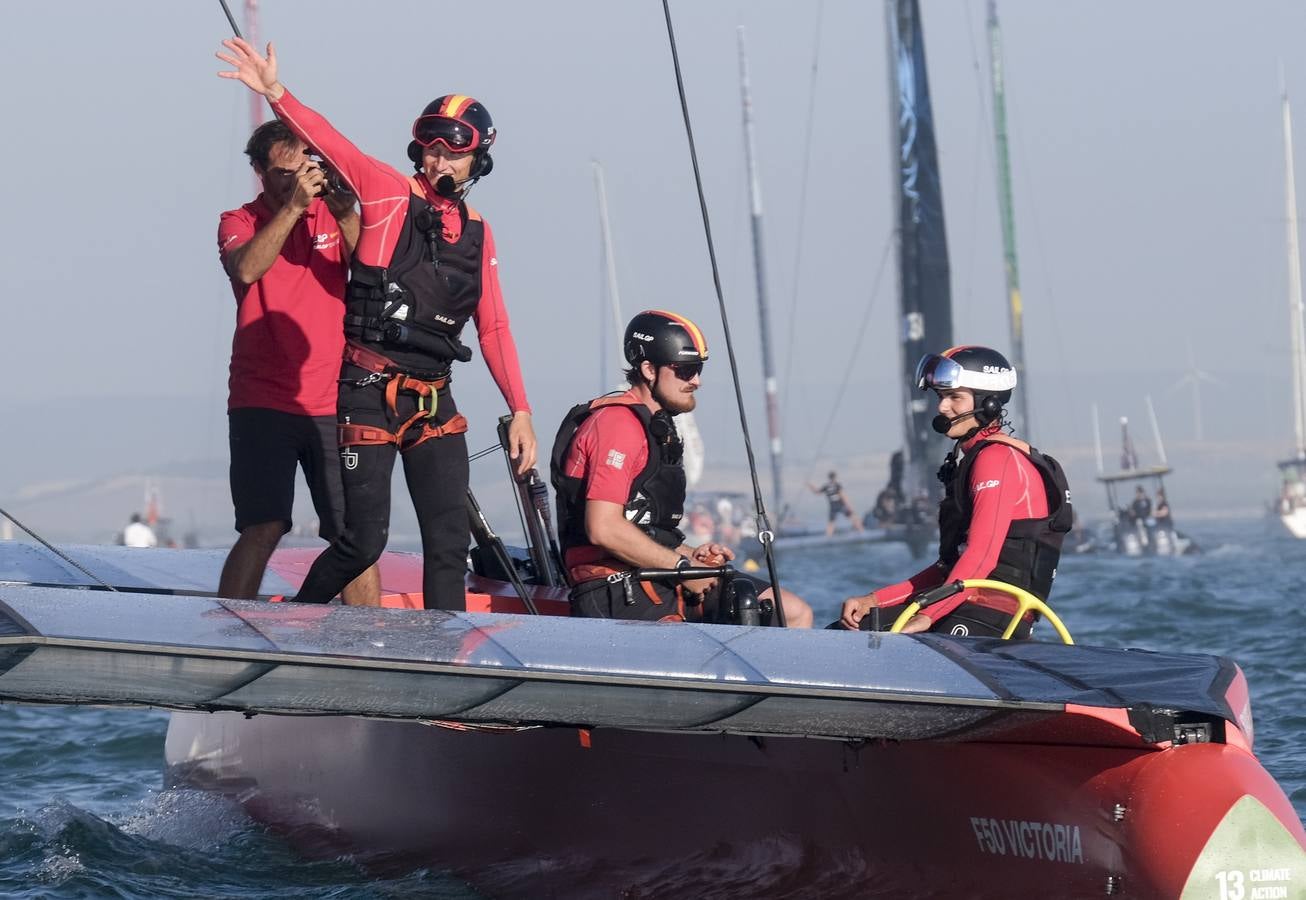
663	338
460	123
983	371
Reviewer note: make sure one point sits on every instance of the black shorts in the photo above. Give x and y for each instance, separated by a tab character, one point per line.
839	509
266	447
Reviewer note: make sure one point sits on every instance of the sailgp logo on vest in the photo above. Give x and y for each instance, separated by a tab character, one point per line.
616	459
983	485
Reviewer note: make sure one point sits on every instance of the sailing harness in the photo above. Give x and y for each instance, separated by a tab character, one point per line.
381	368
1032	547
414	309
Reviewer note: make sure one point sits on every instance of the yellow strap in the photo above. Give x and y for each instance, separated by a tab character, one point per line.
1027	602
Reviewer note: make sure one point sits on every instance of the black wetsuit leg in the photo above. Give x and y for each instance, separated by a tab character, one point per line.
366	472
436	471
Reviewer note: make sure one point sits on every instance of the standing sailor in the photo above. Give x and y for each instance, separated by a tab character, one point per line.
617	467
1006	502
287	255
424	265
838	501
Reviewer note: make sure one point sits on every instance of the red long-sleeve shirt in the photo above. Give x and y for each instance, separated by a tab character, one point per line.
1004	487
383	195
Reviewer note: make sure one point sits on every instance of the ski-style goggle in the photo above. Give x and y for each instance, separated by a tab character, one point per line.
454	134
936	372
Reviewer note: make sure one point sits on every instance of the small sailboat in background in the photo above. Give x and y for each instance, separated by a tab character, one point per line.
1292	493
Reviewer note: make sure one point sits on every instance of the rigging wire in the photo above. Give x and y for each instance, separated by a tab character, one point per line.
764	533
59	553
802	209
857	344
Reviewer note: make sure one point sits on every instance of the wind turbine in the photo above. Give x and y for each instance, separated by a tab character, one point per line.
1195	377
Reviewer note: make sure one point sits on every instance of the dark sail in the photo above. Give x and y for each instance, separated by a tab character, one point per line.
923	279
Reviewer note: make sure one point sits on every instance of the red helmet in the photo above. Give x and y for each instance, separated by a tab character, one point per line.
458	122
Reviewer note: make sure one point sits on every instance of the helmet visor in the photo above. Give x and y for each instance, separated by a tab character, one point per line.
455	134
936	372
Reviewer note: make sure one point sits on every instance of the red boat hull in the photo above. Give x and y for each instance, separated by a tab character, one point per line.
558	812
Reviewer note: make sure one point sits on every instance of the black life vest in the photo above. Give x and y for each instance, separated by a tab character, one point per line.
414	309
657	495
1030	553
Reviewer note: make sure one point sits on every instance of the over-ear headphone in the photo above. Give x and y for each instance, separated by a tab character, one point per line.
990	410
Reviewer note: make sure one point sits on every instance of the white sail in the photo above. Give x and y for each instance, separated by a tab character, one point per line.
694	451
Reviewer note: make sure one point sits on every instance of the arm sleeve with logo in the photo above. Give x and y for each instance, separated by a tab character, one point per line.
382	190
235	229
497	344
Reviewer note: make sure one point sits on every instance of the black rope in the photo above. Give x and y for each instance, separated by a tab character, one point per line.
59	553
764	533
232	19
480	454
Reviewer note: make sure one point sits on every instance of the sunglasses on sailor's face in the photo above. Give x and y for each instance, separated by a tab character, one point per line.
686	371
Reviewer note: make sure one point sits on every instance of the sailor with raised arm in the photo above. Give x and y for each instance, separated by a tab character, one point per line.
1005	502
425	264
618	471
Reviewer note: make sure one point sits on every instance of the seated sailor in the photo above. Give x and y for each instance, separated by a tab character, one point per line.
618	471
1005	502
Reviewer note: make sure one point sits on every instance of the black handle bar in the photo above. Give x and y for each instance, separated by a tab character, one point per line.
942	592
688	573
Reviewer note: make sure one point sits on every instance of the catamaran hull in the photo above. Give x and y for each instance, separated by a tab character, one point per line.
558	812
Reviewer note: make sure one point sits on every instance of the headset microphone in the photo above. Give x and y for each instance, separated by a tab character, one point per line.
445	186
942	424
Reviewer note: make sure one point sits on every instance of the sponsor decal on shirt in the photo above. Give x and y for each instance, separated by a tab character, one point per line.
494	260
326	241
991	483
616	459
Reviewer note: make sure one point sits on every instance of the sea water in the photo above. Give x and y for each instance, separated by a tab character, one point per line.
83	812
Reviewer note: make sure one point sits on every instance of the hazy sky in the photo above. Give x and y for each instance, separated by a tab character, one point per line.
1148	180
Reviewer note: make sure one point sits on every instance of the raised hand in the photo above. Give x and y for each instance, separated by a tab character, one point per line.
255	71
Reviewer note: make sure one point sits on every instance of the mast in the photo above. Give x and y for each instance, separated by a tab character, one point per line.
925	302
759	267
610	270
257	109
1294	283
1007	210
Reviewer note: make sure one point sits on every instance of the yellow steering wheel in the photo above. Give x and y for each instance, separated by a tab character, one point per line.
1027	602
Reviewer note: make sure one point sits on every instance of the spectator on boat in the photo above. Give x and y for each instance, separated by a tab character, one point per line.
1006	502
138	534
425	264
287	255
618	472
1140	513
1161	512
888	503
838	501
1141	508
